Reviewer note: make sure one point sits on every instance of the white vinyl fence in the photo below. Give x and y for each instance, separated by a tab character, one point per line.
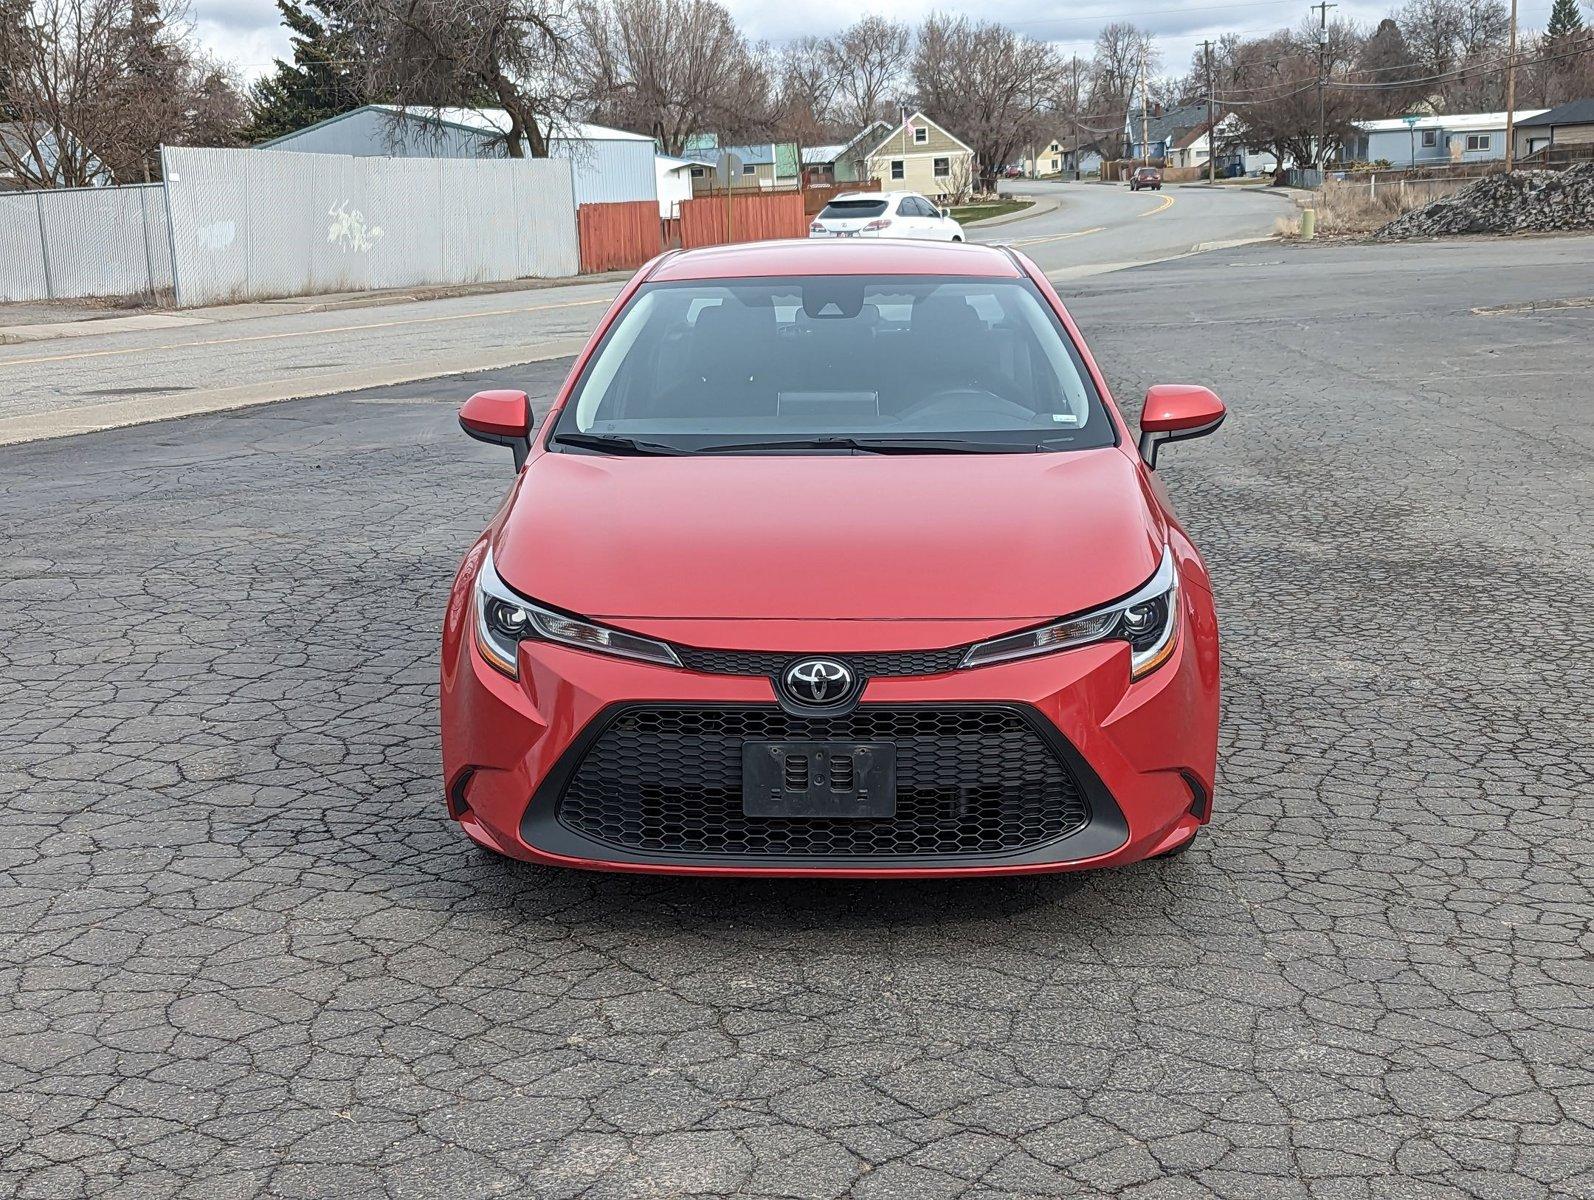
84	242
251	224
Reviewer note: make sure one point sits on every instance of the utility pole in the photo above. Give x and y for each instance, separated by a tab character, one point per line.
1322	79
1145	138
1076	116
1212	132
1511	92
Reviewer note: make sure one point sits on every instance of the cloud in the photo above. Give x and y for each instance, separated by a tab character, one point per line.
249	32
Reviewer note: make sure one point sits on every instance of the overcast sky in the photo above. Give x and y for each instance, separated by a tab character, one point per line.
248	31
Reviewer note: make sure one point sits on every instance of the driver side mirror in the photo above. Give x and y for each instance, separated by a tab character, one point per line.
1174	412
502	417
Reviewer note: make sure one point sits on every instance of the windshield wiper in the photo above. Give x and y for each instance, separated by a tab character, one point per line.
615	445
882	446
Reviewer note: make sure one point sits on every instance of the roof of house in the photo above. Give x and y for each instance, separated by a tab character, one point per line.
750	156
1171	124
813	155
493	121
890	131
1457	122
670	163
1573	112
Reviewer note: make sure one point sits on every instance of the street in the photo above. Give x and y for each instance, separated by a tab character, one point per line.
206	360
1099	227
244	953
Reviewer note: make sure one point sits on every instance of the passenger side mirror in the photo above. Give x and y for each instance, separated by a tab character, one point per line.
502	417
1174	412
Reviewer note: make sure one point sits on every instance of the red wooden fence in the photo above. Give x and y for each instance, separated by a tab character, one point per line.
618	236
742	216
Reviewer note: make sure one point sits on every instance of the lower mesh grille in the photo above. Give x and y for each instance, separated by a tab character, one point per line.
970	781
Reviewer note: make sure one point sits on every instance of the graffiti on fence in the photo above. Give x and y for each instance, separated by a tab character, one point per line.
349	231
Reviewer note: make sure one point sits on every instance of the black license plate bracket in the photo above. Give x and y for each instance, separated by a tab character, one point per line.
819	780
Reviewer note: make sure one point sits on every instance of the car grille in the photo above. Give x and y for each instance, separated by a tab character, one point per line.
873	665
970	781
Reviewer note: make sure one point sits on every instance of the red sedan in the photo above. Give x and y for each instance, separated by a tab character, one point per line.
833	559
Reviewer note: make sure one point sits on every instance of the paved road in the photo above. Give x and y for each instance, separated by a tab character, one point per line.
1097	227
243	954
105	379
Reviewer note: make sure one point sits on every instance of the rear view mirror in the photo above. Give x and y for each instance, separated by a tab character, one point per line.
1175	411
502	417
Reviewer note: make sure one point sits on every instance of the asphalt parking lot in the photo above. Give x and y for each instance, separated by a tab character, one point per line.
242	953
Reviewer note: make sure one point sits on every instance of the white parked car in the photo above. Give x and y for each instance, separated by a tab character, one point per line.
884	215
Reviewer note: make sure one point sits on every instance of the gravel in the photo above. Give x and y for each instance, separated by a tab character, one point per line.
1513	202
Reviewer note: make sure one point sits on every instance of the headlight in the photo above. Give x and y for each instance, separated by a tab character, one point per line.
1147	620
505	619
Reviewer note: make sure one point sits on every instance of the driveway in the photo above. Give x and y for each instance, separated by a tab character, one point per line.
1103	227
242	952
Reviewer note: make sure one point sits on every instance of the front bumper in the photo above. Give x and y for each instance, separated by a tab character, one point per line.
1139	757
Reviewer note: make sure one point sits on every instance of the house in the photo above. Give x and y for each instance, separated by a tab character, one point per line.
1168	135
819	164
1569	124
30	157
772	164
1057	157
916	156
1433	140
606	165
673	177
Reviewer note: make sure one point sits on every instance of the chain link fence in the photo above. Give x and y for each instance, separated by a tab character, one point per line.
252	224
73	242
232	225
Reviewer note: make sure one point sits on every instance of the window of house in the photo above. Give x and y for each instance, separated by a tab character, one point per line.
921	135
1478	141
898	170
943	167
1430	138
699	172
749	169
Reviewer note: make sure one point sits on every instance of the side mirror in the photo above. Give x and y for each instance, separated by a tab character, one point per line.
1174	412
502	417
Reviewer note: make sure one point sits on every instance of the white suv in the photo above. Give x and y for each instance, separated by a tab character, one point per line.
884	215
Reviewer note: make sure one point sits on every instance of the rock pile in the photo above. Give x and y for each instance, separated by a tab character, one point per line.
1521	202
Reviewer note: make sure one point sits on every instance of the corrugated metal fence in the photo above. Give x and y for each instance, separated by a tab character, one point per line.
84	242
250	224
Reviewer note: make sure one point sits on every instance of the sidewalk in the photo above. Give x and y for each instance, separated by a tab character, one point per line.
45	320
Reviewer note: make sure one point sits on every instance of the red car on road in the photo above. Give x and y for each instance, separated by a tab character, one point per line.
833	559
1146	177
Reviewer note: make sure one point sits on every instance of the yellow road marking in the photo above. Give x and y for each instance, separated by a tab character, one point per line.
299	333
1167	202
1056	237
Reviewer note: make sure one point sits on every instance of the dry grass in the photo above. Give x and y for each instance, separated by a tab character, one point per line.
1352	208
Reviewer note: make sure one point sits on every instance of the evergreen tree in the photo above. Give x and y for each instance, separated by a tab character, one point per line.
1565	20
320	82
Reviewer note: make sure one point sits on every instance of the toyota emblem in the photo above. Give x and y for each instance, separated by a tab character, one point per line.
818	681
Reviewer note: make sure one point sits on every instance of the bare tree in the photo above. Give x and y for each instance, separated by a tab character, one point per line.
804	93
509	54
92	88
867	60
673	68
993	88
1123	52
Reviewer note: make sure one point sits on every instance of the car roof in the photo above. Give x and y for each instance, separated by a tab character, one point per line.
839	257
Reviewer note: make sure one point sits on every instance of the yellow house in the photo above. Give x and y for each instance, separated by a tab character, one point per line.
916	156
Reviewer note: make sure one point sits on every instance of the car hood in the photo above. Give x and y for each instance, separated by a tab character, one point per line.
1019	537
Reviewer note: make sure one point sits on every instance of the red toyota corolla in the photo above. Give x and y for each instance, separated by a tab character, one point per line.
833	559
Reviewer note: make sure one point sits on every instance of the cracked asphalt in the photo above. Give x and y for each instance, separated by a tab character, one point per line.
242	952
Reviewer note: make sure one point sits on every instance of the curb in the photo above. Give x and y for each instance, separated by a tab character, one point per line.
1038	204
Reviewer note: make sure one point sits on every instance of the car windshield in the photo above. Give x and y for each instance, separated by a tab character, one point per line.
968	364
853	208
